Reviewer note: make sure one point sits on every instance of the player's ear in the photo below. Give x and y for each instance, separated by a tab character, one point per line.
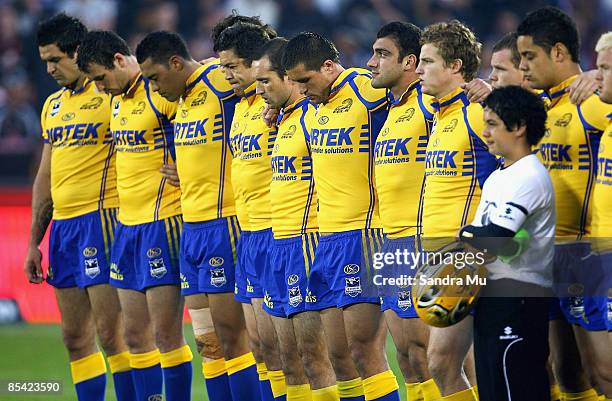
119	60
559	52
176	63
456	66
410	62
521	130
328	66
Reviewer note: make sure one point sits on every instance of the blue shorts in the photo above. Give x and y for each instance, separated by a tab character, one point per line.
253	259
240	279
146	255
398	298
582	283
208	256
79	249
343	268
286	281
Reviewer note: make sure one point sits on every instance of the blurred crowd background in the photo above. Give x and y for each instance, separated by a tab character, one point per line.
351	24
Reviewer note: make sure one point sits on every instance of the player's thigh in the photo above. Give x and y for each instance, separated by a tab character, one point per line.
407	333
596	349
165	305
335	333
287	344
197	301
265	328
363	323
78	329
138	327
106	310
449	346
566	360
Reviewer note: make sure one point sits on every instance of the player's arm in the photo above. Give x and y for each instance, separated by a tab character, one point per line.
170	172
42	210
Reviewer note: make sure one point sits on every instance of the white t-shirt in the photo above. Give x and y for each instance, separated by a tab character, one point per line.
515	197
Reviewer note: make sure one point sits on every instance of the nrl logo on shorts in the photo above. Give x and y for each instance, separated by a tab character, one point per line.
92	269
294	278
90	251
216	261
93	103
450	127
116	109
154	252
564	120
157	268
68	116
55	108
346	106
295	296
140	108
406	116
323	120
199	99
351	269
217	277
352	286
404	301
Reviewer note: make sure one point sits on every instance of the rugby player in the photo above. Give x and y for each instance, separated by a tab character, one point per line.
517	201
505	61
211	229
549	46
399	160
457	164
349	117
146	249
76	187
252	142
295	228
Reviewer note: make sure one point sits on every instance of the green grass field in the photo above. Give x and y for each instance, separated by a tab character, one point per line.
36	352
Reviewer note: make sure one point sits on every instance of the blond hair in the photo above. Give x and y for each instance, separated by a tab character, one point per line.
604	42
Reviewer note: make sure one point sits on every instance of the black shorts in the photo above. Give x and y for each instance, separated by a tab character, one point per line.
511	344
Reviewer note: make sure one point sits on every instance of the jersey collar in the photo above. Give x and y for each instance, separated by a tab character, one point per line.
556	92
344	77
287	110
194	79
249	93
405	95
132	89
80	89
454	100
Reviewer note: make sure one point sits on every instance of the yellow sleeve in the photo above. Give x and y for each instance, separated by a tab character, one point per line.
374	97
44	113
167	108
217	80
595	112
475	116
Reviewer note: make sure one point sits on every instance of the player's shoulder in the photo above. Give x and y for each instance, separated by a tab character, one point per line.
595	112
474	116
215	78
360	80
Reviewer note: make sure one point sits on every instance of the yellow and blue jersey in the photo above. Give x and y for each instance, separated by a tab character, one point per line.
568	150
75	123
141	126
342	141
399	159
292	191
602	194
252	142
457	163
201	138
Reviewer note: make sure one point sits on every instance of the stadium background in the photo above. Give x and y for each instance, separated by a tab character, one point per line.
34	349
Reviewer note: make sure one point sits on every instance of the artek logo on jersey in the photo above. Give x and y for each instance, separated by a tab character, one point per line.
66	134
191	133
331	140
130	137
394	150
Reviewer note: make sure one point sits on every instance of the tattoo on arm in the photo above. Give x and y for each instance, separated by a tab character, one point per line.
41	217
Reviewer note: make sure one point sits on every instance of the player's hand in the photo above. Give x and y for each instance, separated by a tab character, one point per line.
477	90
269	115
206	60
584	86
169	171
33	265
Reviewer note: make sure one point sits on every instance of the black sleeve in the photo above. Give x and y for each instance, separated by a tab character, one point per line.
492	238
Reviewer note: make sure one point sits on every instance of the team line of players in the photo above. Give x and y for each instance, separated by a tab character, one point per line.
177	188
